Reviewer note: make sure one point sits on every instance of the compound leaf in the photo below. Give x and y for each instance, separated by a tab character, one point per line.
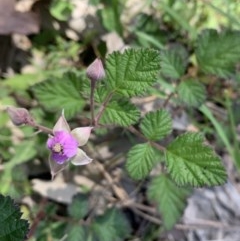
218	53
141	159
156	125
13	228
192	92
191	162
132	72
23	152
170	199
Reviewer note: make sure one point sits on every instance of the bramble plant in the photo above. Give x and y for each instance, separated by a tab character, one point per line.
185	162
188	160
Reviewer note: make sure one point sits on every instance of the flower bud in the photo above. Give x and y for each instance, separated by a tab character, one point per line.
19	116
95	70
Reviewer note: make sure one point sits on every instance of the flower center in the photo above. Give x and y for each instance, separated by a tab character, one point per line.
57	148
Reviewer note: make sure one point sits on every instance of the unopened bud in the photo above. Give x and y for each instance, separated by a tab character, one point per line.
95	70
19	116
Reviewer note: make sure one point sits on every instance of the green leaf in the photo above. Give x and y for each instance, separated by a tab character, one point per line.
218	53
110	18
24	152
61	93
192	92
191	162
61	9
79	206
101	93
117	13
15	183
172	64
147	32
148	40
141	159
75	233
56	229
47	229
13	228
120	112
24	81
178	16
156	125
170	199
132	72
111	226
221	131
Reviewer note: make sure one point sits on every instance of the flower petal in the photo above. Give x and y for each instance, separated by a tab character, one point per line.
82	134
55	168
81	158
95	70
61	124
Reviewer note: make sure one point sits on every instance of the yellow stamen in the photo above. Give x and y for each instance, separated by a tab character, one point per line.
57	148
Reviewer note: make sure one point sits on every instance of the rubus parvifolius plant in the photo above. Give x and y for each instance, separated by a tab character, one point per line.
187	161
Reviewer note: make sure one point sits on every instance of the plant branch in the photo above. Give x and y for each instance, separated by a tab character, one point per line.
41	128
132	204
119	192
138	133
198	224
102	108
165	103
38	218
148	217
206	224
93	83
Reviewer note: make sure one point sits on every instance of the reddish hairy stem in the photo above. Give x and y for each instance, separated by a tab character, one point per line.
40	127
102	108
93	84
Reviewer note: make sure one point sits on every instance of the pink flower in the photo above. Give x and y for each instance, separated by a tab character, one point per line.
64	146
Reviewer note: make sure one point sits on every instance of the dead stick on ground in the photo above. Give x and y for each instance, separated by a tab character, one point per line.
119	192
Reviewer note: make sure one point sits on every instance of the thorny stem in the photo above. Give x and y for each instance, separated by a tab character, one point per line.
138	133
102	108
93	83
